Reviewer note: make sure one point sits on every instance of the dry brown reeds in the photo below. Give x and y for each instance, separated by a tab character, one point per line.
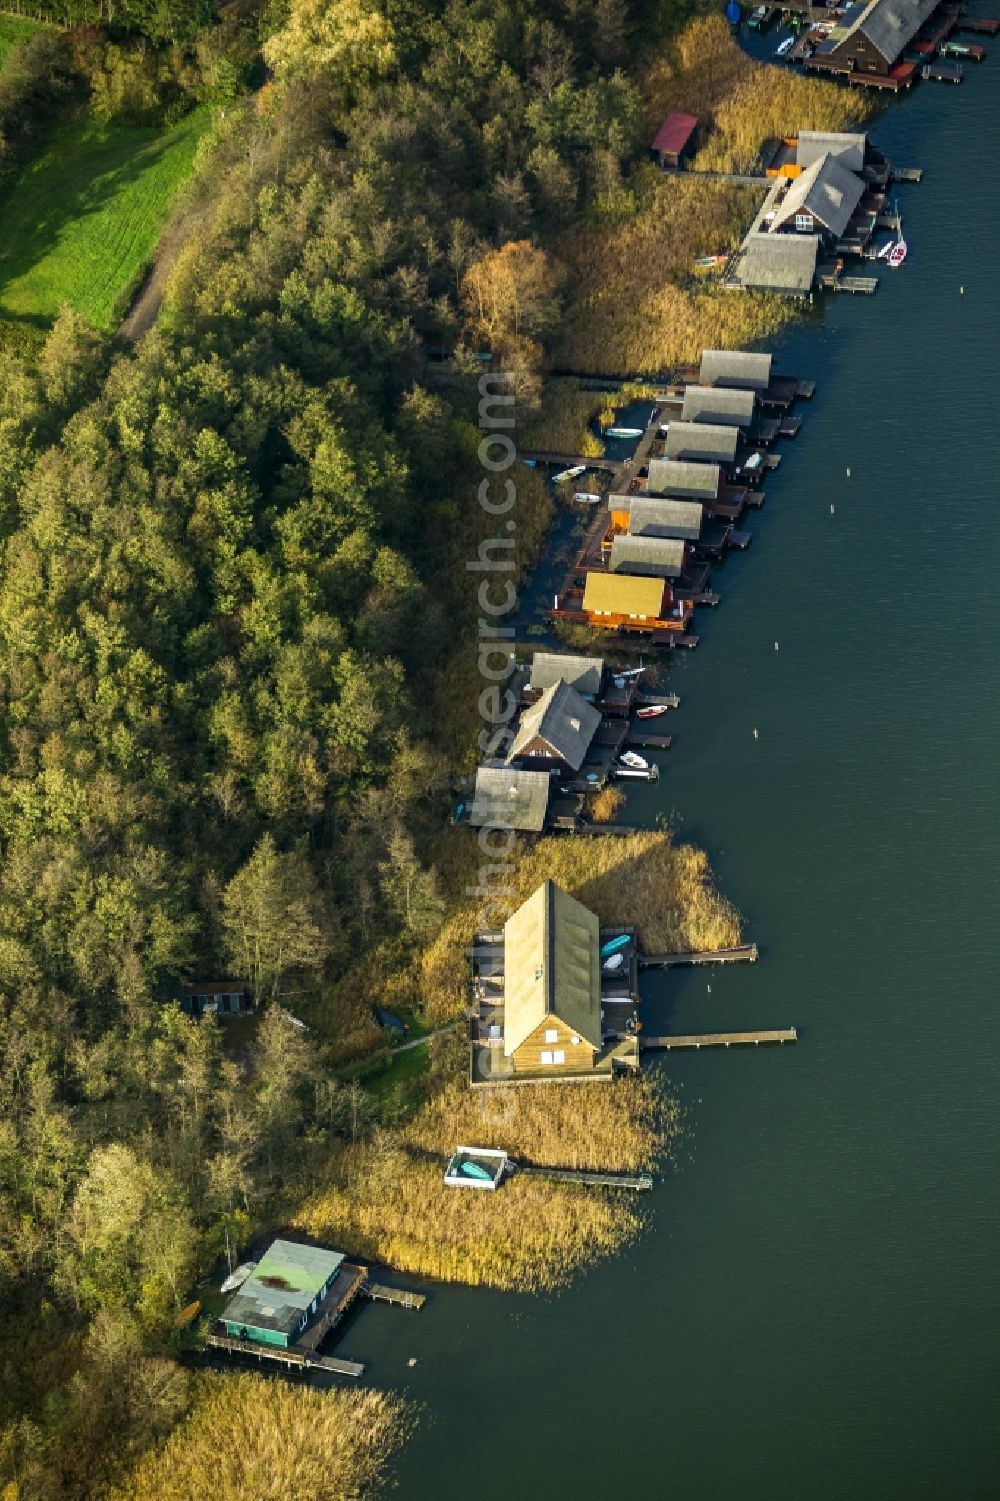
386	1200
647	880
562	423
247	1437
602	806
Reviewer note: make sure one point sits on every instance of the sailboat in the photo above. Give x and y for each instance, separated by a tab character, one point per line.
897	255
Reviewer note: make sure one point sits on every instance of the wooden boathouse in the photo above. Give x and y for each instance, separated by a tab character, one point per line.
869	40
702	441
674	139
621	601
542	1007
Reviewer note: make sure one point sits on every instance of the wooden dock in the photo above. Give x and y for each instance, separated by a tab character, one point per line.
636	1182
397	1295
866	286
649	742
907	174
718	1039
291	1358
943	72
742	953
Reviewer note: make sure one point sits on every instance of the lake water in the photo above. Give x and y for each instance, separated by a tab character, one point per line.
814	1310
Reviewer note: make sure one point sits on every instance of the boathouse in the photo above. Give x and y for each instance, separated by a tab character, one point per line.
651	516
737	369
282	1295
870	39
686	480
820	201
718	405
702	441
552	983
785	264
846	147
220	997
674	139
618	599
585	674
556	731
507	797
657	557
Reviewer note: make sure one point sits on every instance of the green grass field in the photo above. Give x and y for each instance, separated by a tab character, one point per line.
13	31
84	216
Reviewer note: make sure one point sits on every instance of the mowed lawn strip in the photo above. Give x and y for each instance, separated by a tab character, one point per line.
83	218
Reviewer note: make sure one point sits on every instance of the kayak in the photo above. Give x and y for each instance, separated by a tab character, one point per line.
612	947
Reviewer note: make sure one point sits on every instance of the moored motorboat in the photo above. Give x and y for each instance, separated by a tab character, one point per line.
651	711
615	962
587	497
634	760
623	432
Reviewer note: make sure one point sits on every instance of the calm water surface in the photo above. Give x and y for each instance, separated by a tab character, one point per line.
815	1308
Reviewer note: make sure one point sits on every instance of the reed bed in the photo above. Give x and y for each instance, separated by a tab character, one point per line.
647	880
641	308
250	1439
386	1200
563	421
601	807
741	103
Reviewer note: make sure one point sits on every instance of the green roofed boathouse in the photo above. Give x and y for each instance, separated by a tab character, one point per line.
285	1291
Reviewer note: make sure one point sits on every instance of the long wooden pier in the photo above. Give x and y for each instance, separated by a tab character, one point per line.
718	1039
637	1182
741	953
292	1359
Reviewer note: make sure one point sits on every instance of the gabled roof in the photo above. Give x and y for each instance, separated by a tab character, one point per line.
680	477
719	405
702	440
652	517
660	557
561	718
284	1284
887	24
675	132
507	798
551	967
778	263
620	594
847	147
737	368
582	673
827	191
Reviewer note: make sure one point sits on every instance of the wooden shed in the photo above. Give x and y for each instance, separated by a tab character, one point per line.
674	139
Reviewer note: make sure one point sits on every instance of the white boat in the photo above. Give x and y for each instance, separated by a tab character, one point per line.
238	1277
565	474
624	432
624	673
651	711
634	760
897	255
884	250
785	46
587	497
615	962
617	1000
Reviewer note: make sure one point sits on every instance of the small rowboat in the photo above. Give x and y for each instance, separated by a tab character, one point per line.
651	711
624	432
473	1170
615	962
897	255
587	497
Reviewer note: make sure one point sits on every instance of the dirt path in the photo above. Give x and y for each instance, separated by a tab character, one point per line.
146	303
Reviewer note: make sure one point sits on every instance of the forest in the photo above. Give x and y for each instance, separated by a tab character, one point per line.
237	670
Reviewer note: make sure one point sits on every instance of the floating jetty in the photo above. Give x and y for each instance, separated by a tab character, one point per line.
495	1165
718	1039
741	953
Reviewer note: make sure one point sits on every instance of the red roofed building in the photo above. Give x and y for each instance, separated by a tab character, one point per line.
673	139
